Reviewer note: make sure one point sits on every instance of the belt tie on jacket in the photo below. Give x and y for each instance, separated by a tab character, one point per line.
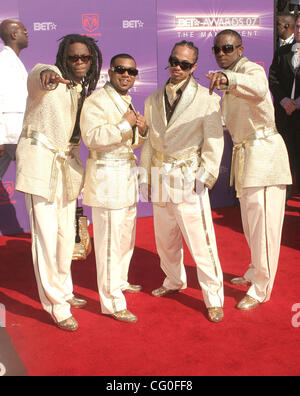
239	156
59	155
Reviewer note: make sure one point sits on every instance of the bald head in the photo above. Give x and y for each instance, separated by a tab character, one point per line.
285	25
7	29
14	34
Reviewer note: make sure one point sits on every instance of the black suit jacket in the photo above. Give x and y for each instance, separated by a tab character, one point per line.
281	80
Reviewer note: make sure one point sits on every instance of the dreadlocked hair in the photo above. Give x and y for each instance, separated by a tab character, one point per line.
90	81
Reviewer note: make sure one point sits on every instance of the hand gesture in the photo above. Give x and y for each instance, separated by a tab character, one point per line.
141	123
216	80
130	117
290	106
50	80
199	187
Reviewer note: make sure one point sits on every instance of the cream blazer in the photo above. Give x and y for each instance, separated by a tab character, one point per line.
111	172
190	146
44	143
262	158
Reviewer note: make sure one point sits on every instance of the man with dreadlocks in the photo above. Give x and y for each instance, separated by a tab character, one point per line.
49	170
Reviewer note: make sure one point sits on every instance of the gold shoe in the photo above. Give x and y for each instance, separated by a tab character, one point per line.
77	303
248	303
215	314
163	291
69	324
125	316
133	289
240	281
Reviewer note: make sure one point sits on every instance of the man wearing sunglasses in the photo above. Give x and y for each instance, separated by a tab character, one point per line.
182	158
260	165
49	170
112	129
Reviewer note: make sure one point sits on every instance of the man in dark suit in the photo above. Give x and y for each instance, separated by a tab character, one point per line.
282	5
285	29
284	79
294	6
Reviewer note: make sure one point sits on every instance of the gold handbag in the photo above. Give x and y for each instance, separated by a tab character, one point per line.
83	244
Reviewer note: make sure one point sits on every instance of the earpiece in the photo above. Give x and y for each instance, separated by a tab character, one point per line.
286	26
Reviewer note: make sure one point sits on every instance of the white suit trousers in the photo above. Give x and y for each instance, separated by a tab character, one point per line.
114	238
53	242
263	212
194	222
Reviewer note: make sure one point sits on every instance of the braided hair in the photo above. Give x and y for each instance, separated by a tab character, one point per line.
188	44
91	79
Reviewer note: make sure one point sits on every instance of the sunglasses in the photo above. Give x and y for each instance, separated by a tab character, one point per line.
184	65
122	70
83	58
227	48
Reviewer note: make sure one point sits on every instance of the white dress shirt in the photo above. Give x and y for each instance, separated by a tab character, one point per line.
13	96
296	64
296	56
289	40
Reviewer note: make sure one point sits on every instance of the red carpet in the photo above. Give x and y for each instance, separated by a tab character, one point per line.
173	336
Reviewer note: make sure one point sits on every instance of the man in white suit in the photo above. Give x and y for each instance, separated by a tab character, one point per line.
112	129
49	170
13	89
182	158
260	165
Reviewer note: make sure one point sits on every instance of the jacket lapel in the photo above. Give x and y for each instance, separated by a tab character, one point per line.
116	99
160	104
289	60
239	64
135	139
187	98
74	99
122	108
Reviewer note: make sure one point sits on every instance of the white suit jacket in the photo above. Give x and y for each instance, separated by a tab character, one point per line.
190	146
249	116
13	95
44	143
111	180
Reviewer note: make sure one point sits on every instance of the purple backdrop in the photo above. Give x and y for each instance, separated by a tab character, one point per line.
200	21
147	30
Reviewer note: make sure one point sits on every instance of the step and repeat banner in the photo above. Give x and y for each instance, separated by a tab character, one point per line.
146	29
